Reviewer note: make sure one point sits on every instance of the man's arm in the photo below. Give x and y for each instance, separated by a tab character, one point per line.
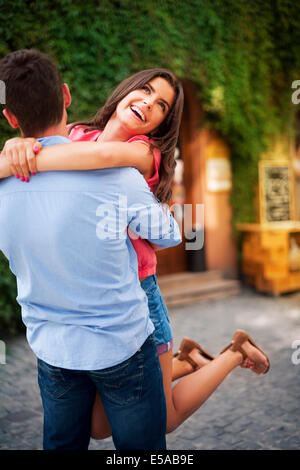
146	216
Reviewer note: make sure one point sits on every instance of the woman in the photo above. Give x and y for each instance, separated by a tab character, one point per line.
139	126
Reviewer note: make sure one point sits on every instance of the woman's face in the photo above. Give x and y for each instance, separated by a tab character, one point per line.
144	109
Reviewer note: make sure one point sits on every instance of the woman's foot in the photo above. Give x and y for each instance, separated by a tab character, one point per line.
251	354
247	364
189	358
258	359
198	358
181	368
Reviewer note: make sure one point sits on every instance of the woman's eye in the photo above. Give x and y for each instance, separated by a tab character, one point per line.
146	88
163	107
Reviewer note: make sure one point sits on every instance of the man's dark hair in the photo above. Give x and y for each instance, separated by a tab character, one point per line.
33	88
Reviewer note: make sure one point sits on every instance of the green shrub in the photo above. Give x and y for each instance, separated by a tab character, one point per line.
10	312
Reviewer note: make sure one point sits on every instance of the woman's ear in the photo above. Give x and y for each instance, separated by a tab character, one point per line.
13	121
66	95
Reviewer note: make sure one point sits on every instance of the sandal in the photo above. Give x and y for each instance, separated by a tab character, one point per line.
186	346
239	337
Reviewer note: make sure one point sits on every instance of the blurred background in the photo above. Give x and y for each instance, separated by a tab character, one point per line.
238	62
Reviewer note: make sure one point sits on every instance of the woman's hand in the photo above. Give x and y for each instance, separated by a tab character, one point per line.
5	170
22	154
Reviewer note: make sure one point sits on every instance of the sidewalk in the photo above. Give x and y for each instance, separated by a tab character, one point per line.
246	411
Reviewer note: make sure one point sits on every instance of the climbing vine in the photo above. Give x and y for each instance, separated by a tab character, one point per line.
242	57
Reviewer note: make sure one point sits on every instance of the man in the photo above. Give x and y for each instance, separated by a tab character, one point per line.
86	315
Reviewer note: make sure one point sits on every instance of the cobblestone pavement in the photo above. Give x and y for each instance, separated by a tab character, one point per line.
245	412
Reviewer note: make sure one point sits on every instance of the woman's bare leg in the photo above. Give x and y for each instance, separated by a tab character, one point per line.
188	394
100	428
185	398
193	390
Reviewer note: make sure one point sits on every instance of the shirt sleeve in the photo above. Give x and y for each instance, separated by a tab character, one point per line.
146	216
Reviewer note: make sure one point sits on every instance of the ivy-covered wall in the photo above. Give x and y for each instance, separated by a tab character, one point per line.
241	55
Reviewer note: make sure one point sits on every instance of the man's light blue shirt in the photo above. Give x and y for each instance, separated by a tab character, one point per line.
65	236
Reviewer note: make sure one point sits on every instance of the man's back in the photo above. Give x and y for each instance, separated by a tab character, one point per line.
79	292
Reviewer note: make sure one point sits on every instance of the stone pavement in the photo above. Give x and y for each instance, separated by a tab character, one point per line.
245	412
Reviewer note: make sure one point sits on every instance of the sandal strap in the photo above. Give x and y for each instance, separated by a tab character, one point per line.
185	357
236	343
192	362
186	347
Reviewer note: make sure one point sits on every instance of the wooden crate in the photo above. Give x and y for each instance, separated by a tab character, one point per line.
266	258
272	240
275	271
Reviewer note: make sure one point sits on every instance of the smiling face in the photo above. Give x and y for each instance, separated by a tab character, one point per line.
144	109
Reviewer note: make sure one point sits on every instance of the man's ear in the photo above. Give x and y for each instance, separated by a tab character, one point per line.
66	95
11	118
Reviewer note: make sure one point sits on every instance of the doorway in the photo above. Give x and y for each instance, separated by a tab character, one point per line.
187	187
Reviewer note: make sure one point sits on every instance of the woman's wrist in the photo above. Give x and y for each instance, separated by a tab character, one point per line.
5	170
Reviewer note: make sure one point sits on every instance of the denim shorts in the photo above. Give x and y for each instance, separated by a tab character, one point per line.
158	314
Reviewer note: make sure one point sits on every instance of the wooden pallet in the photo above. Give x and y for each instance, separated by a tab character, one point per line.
184	288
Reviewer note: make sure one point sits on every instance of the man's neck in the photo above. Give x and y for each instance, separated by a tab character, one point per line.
60	129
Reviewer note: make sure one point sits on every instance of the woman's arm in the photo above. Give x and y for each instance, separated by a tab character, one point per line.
95	156
78	156
5	169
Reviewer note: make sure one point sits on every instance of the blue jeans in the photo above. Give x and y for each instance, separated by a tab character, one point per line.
132	394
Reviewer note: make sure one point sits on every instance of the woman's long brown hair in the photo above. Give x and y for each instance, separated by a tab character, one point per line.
164	137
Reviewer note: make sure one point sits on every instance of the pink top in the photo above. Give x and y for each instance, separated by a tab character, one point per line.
145	254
